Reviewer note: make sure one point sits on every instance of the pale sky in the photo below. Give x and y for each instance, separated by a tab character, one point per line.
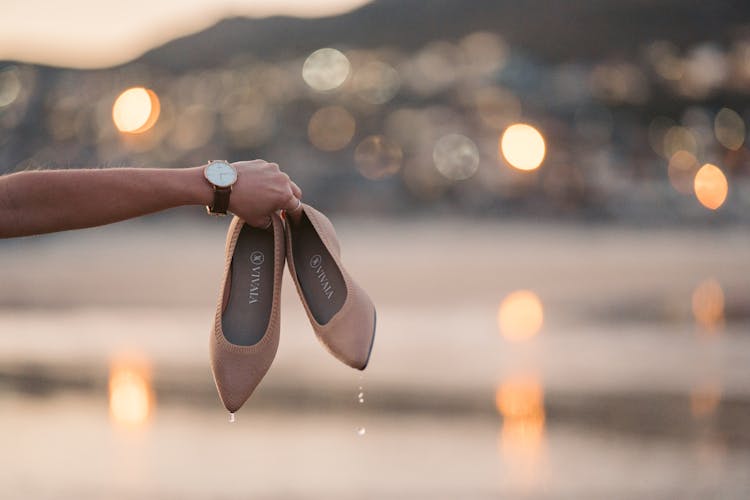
98	33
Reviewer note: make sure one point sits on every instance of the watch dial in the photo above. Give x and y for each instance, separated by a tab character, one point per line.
221	174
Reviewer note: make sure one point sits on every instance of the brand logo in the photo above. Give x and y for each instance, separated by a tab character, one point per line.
256	259
316	262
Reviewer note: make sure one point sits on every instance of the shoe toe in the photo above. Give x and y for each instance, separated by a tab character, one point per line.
352	341
237	374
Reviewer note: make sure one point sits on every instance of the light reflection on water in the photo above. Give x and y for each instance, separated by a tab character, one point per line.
131	397
708	305
428	428
419	454
520	402
519	398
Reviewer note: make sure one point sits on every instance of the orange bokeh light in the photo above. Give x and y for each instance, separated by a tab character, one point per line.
130	394
331	128
711	186
136	110
520	315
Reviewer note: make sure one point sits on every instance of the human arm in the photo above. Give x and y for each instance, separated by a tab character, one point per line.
44	201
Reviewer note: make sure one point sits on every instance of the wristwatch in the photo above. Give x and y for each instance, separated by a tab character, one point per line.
222	176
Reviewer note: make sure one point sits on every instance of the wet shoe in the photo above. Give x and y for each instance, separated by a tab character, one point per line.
245	334
340	312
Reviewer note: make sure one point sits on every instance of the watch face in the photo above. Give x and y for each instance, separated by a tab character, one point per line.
220	173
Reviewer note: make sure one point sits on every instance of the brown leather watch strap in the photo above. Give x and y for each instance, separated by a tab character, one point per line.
221	201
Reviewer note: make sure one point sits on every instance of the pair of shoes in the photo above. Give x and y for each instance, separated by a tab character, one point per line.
245	334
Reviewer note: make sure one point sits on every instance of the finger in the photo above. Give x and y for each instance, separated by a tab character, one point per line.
261	222
293	204
296	190
294	216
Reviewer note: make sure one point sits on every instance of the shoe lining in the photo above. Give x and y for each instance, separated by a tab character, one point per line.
319	277
248	311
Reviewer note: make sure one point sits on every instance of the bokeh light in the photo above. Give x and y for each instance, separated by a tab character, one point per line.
520	315
706	68
708	305
331	128
456	157
434	68
130	395
10	85
729	128
326	69
136	110
679	139
523	146
711	186
378	157
376	82
485	51
520	401
681	170
664	57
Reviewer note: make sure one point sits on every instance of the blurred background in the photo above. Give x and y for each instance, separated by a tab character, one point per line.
549	203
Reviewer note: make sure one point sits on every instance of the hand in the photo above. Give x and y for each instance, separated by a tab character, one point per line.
261	189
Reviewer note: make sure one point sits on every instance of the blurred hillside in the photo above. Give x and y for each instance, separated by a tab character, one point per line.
407	108
551	31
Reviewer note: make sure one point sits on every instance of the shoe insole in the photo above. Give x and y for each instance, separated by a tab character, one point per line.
248	309
318	275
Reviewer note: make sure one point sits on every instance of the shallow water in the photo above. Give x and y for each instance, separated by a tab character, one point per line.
556	363
69	447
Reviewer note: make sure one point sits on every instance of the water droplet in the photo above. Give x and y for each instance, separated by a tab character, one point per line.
361	431
231	417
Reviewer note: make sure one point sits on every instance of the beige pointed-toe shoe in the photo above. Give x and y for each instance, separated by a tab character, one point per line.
341	313
245	334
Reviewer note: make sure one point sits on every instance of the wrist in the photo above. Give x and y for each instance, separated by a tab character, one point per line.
198	190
